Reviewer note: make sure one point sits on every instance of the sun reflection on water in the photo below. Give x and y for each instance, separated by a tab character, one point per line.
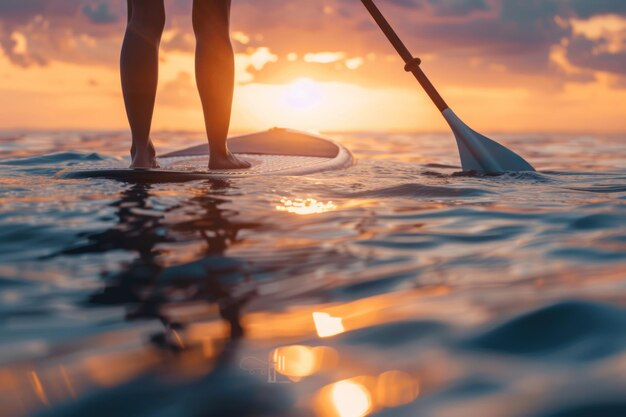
305	206
327	325
346	398
298	361
351	399
362	395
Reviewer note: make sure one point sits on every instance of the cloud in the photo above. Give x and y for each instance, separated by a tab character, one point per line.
458	7
20	11
445	7
63	30
599	44
100	13
586	53
587	9
179	92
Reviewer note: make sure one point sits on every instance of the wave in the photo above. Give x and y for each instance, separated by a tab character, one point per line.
418	190
598	221
527	175
602	189
611	408
55	159
566	331
392	335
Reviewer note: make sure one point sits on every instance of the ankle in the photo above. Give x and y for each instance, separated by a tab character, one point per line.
219	151
143	148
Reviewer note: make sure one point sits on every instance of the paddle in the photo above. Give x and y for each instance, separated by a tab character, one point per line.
478	153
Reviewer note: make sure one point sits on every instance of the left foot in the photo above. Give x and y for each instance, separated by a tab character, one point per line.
228	161
141	161
143	158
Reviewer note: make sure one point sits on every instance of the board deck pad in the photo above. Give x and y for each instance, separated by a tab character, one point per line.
275	152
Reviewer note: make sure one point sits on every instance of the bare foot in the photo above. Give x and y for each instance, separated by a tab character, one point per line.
144	158
140	162
228	161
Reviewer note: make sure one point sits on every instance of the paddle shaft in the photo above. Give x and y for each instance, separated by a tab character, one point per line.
412	64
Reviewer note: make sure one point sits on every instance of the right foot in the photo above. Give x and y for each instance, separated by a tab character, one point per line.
228	161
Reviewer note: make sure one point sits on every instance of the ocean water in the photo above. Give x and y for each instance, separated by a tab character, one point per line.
397	287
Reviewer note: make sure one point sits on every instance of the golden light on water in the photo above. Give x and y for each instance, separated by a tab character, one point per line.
365	312
305	206
362	395
347	398
395	388
351	399
38	388
297	361
112	368
327	325
67	381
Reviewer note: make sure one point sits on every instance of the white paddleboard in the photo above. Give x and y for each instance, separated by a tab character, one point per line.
274	152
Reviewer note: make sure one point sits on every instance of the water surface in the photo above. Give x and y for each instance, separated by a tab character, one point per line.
441	293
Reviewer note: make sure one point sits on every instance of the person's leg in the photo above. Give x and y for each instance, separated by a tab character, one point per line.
139	64
215	75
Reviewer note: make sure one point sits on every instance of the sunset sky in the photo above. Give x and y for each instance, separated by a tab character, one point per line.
503	65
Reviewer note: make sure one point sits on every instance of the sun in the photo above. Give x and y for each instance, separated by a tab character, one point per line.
303	94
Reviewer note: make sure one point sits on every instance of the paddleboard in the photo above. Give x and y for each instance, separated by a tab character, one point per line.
276	152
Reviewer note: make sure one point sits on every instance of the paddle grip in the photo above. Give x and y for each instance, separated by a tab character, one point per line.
412	64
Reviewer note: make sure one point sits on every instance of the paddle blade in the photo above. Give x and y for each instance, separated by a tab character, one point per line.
479	153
